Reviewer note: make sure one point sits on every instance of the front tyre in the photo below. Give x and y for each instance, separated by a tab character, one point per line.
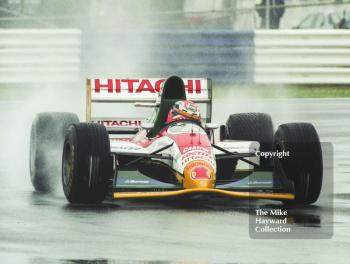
304	166
87	164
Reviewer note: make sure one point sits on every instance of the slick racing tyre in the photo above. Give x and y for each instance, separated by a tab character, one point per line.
304	166
252	127
46	144
247	126
87	164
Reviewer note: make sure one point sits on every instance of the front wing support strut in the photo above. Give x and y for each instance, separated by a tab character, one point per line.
151	155
230	155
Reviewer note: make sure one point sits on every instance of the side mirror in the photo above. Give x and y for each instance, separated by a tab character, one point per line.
211	126
147	126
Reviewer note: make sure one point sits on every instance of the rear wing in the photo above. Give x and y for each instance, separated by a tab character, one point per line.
111	102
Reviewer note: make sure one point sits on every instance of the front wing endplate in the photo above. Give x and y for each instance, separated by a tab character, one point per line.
238	194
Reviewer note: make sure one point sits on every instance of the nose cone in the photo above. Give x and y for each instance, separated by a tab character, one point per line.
199	174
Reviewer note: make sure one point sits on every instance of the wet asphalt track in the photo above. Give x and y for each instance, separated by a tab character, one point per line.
37	228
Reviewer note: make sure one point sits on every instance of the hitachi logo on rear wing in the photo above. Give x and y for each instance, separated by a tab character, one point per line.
139	85
142	89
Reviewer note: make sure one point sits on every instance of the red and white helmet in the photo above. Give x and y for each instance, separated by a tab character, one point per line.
184	110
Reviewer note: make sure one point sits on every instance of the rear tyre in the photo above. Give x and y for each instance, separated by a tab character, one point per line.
87	163
304	165
46	141
251	127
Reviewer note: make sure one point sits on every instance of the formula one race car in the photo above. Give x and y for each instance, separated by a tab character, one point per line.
174	151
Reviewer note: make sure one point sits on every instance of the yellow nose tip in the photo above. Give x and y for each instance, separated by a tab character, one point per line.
199	174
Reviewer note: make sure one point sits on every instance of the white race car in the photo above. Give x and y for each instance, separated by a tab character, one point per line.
120	153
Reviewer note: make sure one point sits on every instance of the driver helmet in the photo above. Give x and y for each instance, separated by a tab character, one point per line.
184	110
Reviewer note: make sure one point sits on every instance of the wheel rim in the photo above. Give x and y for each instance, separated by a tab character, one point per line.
68	163
305	184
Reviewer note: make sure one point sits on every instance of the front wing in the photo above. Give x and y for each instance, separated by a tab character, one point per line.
238	194
258	185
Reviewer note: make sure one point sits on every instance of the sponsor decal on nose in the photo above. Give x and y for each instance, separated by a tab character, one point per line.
199	174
